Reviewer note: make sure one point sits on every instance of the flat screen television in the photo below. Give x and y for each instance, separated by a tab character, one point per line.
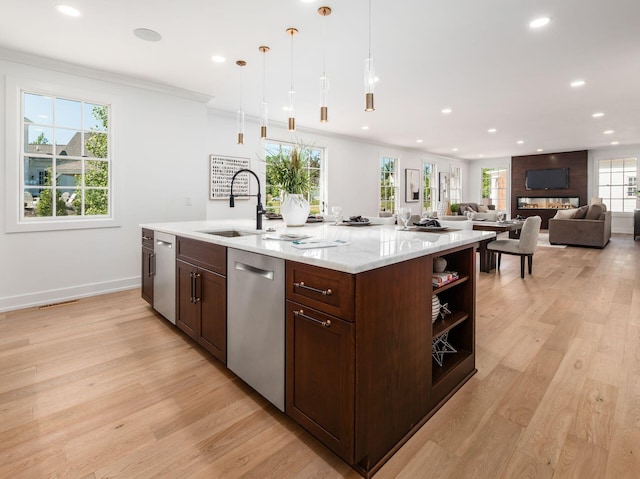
551	179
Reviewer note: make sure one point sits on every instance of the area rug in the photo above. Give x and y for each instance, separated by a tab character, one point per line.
543	240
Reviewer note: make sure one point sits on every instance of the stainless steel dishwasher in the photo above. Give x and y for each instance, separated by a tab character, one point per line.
255	322
164	281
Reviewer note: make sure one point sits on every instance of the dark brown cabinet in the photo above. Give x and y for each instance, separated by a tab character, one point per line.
320	376
202	294
360	373
148	265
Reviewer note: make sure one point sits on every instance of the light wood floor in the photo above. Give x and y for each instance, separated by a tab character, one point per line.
105	388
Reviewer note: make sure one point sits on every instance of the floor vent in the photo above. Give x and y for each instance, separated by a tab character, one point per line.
55	305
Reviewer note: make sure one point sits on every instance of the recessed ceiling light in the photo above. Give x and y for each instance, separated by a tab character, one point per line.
418	141
454	149
520	142
615	142
598	114
608	132
492	130
539	22
365	127
578	83
147	35
68	10
218	59
539	150
480	156
285	108
446	111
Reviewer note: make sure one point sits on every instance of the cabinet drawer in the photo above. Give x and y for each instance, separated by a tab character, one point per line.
324	289
206	255
147	238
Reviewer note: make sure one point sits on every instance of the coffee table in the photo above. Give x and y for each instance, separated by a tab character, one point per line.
488	257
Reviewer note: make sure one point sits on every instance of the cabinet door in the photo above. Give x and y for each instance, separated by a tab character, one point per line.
148	269
188	310
212	291
320	376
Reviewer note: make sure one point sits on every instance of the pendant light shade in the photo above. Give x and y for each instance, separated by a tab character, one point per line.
369	74
240	116
324	79
292	94
264	111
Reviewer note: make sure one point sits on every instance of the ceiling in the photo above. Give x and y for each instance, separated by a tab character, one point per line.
478	57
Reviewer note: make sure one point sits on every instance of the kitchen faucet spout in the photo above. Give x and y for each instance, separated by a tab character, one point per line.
259	209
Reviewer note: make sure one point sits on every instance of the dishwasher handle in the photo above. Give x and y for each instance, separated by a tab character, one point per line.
247	268
165	243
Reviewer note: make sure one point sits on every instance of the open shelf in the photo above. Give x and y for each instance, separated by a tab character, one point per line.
441	326
444	287
450	363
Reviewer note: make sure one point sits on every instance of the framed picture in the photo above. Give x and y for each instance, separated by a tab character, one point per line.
443	191
411	185
221	170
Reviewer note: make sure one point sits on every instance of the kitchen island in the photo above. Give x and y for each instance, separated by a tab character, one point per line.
357	329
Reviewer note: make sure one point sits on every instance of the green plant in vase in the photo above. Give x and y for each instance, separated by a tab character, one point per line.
288	172
455	207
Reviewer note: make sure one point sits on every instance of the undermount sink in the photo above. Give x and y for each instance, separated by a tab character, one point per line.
232	233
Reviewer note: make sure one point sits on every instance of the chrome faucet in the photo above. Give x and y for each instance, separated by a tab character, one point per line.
259	209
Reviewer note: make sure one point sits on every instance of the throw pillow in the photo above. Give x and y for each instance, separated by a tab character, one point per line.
565	214
594	212
483	209
581	212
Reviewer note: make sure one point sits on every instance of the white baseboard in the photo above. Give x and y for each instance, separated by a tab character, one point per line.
40	298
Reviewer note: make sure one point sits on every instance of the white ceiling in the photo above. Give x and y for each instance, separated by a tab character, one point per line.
478	57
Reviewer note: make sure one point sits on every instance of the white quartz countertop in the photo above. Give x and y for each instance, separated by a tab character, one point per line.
366	248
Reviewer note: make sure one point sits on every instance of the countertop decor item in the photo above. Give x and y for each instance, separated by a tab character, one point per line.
287	171
435	308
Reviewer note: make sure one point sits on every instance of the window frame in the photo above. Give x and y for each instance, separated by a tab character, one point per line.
15	221
393	183
455	185
607	200
430	192
496	200
322	186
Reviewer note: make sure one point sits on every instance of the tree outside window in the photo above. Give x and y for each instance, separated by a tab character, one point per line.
494	186
430	187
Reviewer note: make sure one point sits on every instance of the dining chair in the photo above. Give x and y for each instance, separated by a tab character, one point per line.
524	247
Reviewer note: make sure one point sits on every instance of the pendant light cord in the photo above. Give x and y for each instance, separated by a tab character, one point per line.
291	89
369	28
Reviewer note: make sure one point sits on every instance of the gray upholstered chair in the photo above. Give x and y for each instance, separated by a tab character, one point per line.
523	247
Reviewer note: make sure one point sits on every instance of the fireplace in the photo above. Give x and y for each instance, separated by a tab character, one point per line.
547	202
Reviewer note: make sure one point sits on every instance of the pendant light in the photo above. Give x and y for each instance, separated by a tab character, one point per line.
264	113
369	74
292	94
241	64
324	80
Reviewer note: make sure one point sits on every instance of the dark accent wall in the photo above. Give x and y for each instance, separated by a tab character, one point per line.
576	161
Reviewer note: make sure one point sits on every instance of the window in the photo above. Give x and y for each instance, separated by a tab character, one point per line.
64	158
618	184
388	184
313	159
494	187
430	187
455	186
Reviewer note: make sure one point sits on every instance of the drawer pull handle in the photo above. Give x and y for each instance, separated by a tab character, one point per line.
324	292
326	324
146	238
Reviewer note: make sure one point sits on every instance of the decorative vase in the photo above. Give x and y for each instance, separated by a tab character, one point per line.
435	308
295	209
439	264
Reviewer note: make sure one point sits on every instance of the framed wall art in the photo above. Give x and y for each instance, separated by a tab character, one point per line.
221	170
411	185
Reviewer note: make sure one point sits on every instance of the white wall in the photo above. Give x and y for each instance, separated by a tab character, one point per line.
160	147
352	165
